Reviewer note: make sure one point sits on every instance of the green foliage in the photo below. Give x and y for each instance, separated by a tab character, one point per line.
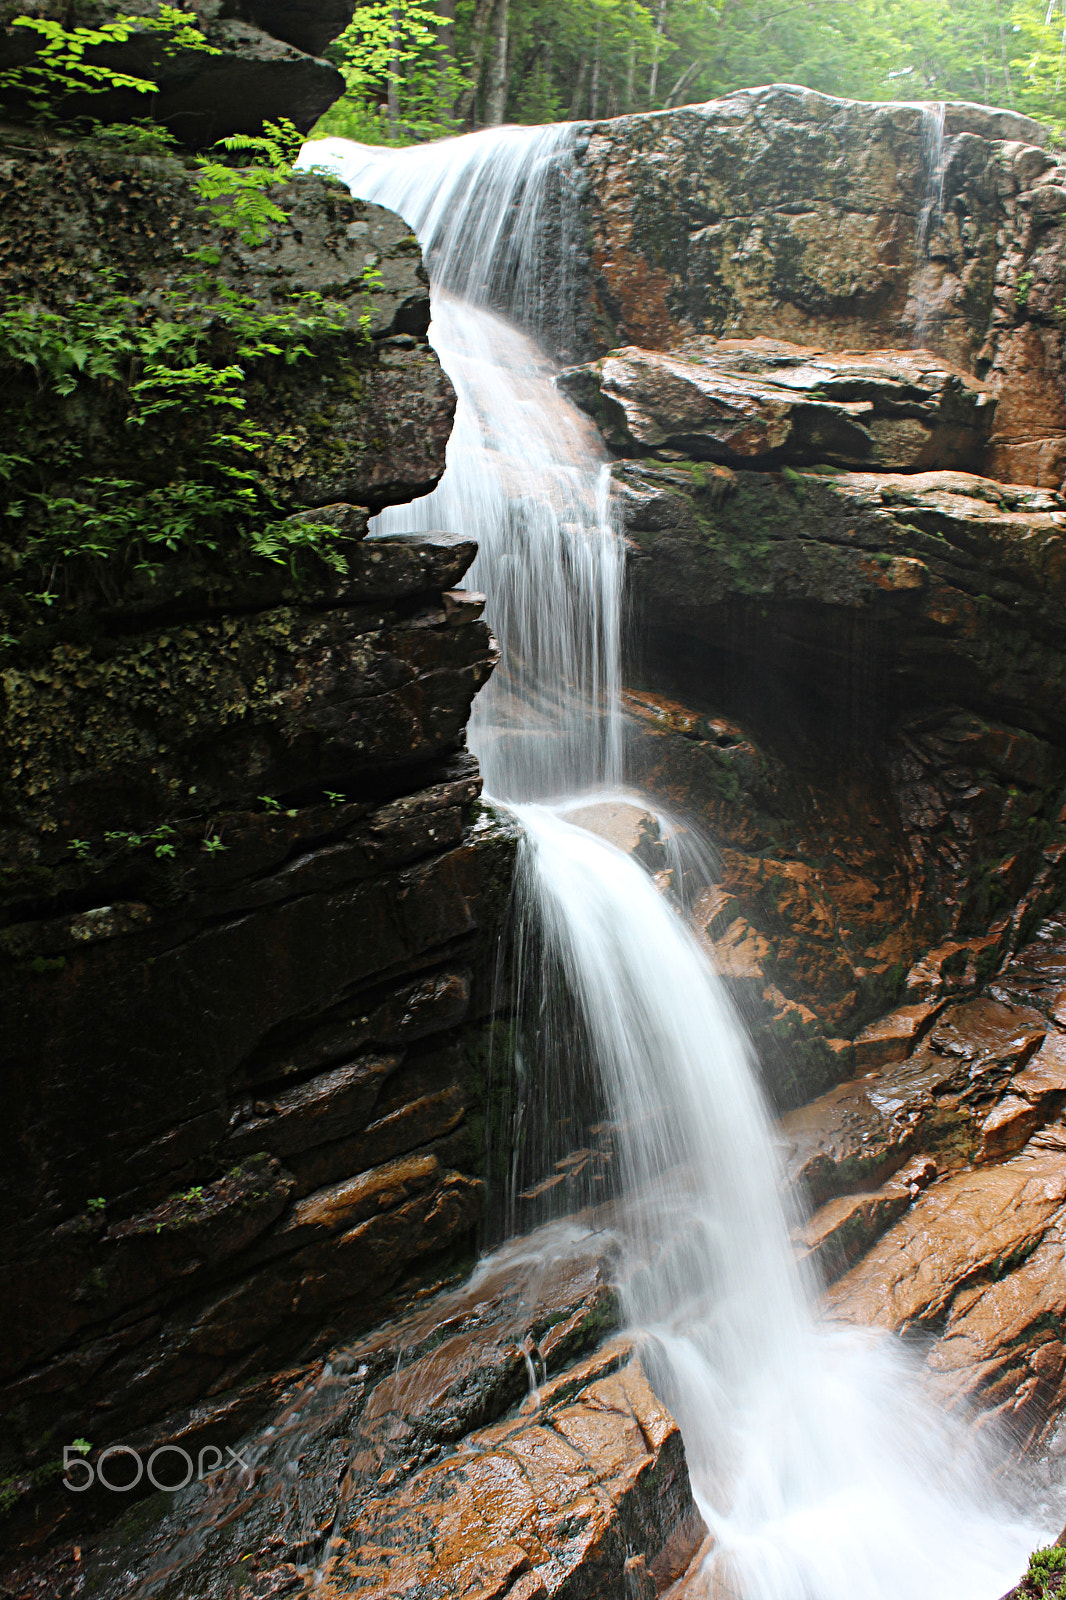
59	68
159	837
411	75
182	361
1046	1577
1021	296
236	196
97	1203
394	47
141	137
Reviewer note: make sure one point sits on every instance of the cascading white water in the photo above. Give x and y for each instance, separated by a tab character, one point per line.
819	1466
526	472
934	167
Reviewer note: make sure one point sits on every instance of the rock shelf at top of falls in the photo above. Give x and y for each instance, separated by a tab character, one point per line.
761	402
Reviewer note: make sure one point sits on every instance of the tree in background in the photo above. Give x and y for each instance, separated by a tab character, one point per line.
417	69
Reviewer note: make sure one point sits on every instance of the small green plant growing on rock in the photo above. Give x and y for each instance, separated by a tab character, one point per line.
1046	1577
141	137
236	197
1021	295
97	1203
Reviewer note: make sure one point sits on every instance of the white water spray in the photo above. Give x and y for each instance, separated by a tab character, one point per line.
934	165
818	1465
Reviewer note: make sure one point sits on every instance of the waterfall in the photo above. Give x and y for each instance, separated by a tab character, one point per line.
819	1466
934	169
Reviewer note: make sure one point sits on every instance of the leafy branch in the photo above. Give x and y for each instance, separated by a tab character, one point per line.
59	68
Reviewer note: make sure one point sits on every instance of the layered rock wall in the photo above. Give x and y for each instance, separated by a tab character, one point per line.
250	895
845	552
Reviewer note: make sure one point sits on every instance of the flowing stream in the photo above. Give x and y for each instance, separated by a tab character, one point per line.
820	1467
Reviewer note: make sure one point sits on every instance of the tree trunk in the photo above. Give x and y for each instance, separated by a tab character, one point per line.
446	33
496	89
631	74
394	79
446	58
579	89
1003	58
594	88
688	77
465	105
653	81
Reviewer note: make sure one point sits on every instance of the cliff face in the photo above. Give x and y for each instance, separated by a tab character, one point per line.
783	213
250	896
847	558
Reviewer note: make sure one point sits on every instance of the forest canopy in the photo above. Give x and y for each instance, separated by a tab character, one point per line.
418	69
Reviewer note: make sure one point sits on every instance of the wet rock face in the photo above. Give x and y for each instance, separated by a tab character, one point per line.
195	1199
934	1189
249	893
428	1464
784	214
263	65
838	894
854	682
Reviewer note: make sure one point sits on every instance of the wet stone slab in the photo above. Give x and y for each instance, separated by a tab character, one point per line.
472	1446
934	1102
762	401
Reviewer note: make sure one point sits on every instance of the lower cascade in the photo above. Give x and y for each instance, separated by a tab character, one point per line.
820	1467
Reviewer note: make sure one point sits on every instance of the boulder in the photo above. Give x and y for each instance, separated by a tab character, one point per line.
761	402
66	209
629	827
309	25
779	211
262	65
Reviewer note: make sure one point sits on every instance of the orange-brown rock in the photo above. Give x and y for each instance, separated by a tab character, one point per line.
978	1262
428	1463
629	827
842	1229
567	1494
892	1038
